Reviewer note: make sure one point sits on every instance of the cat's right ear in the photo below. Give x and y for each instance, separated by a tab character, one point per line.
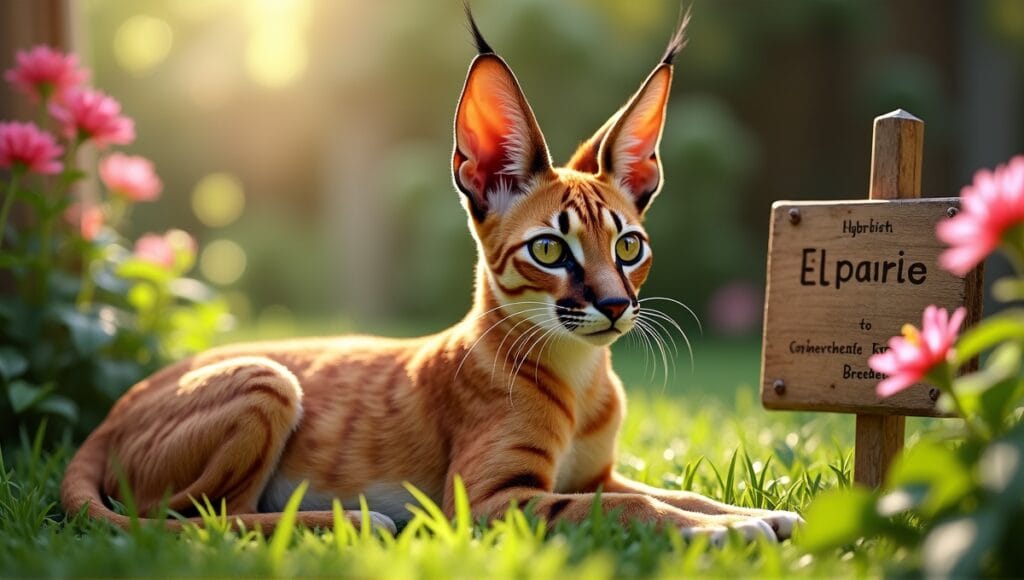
499	149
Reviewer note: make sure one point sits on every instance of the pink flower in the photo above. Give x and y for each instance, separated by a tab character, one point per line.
176	248
87	218
155	248
912	356
130	177
24	144
990	206
43	72
91	114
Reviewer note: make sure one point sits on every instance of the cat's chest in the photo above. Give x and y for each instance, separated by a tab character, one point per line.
578	464
589	451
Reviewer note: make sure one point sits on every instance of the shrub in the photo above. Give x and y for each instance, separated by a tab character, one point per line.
83	313
956	499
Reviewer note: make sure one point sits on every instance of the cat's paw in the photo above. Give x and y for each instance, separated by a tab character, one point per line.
749	529
380	521
783	523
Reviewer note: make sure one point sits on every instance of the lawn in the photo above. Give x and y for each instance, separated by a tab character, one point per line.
703	429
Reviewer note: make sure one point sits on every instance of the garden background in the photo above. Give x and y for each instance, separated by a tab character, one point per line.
306	144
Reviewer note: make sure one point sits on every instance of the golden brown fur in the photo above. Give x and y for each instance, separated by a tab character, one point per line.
519	398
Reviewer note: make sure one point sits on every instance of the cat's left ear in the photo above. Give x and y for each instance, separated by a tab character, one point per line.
625	148
628	152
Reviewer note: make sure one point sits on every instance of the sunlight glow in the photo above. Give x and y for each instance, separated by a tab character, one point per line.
223	262
141	43
276	54
218	199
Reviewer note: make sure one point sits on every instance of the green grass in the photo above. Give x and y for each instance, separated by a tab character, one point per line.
698	433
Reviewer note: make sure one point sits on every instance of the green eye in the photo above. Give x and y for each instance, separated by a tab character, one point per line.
547	250
629	249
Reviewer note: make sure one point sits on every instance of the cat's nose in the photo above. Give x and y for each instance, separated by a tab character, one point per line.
612	307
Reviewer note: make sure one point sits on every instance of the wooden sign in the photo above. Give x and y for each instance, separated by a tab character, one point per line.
844	277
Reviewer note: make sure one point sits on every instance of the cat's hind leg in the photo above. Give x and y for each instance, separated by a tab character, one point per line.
217	432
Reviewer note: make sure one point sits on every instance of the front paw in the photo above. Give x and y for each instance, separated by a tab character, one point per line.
782	523
749	529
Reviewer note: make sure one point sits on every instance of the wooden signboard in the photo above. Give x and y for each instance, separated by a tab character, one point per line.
843	278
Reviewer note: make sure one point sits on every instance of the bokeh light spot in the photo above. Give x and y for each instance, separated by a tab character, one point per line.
218	199
141	43
222	262
276	54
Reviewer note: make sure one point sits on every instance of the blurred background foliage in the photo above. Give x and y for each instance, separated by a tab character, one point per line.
307	143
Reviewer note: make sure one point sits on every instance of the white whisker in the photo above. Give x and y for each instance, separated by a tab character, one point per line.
497	352
659	314
700	327
482	335
661	347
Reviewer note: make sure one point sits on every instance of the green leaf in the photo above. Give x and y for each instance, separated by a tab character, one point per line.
938	467
997	404
113	377
9	261
142	297
987	392
69	176
12	363
144	270
1008	289
1005	326
59	405
956	548
89	333
1001	468
839	517
23	395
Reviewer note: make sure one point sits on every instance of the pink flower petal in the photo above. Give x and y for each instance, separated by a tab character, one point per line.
26	145
91	114
43	71
990	206
911	357
130	177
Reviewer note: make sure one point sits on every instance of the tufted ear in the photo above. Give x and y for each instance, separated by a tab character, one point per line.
625	148
499	148
628	153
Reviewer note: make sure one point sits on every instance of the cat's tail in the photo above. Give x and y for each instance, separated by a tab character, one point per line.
84	479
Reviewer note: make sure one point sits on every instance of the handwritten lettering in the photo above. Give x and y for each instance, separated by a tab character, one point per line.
815	260
807	347
854	227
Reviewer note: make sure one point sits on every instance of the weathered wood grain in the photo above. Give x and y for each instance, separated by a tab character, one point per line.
819	332
843	277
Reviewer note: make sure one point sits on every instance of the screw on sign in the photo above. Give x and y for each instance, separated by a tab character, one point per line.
843	277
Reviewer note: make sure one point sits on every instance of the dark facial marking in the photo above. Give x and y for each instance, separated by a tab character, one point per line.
618	222
563	222
633	300
568	312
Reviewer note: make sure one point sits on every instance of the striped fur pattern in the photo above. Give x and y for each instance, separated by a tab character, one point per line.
519	398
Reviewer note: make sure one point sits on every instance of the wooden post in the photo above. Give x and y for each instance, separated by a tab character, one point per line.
24	24
897	149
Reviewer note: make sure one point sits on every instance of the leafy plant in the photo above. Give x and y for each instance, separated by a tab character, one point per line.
83	315
956	499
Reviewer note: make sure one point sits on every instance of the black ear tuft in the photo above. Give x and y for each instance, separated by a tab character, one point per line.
678	40
481	45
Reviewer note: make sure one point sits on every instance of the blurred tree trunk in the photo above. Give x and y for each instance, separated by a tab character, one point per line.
26	23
